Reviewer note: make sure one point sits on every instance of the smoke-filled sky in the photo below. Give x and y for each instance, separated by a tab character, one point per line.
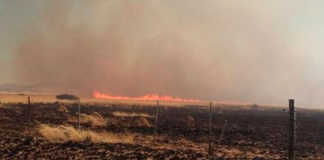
248	50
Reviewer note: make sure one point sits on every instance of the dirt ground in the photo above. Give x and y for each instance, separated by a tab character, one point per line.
50	130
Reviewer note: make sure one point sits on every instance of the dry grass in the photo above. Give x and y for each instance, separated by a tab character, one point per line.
142	122
62	109
125	114
4	106
68	133
190	121
94	119
35	98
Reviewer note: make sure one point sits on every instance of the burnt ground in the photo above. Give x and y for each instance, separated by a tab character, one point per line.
251	133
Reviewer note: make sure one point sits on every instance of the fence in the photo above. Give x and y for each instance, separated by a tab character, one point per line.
228	131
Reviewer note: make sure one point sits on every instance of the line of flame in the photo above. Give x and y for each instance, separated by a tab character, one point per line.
149	97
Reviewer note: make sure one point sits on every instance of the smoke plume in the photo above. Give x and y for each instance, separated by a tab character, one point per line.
210	50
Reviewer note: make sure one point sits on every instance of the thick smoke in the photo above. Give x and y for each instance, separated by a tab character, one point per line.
224	50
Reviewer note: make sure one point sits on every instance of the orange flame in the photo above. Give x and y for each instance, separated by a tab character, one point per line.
149	97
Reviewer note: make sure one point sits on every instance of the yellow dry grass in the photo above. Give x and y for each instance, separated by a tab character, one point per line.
142	122
62	109
95	119
125	114
68	133
35	98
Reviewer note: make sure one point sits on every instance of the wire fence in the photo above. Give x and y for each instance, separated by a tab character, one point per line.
221	131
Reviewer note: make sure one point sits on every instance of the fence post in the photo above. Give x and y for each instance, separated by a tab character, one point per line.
156	117
28	100
222	132
79	110
292	130
29	110
210	150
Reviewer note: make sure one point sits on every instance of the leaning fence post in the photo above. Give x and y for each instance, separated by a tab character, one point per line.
292	130
210	150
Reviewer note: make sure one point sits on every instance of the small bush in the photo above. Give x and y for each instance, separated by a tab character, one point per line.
255	106
67	97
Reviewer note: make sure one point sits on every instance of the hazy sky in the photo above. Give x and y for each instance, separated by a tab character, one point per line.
246	50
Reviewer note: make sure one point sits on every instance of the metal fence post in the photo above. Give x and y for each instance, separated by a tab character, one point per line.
222	133
292	130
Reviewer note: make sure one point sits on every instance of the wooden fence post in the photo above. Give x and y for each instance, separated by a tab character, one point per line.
28	100
210	150
292	130
29	109
79	110
156	118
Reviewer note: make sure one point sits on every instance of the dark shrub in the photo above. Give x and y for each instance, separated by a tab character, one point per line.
67	97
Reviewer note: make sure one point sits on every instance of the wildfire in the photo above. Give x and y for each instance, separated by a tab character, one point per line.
149	97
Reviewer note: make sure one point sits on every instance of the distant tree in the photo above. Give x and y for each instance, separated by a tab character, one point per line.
255	106
67	97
